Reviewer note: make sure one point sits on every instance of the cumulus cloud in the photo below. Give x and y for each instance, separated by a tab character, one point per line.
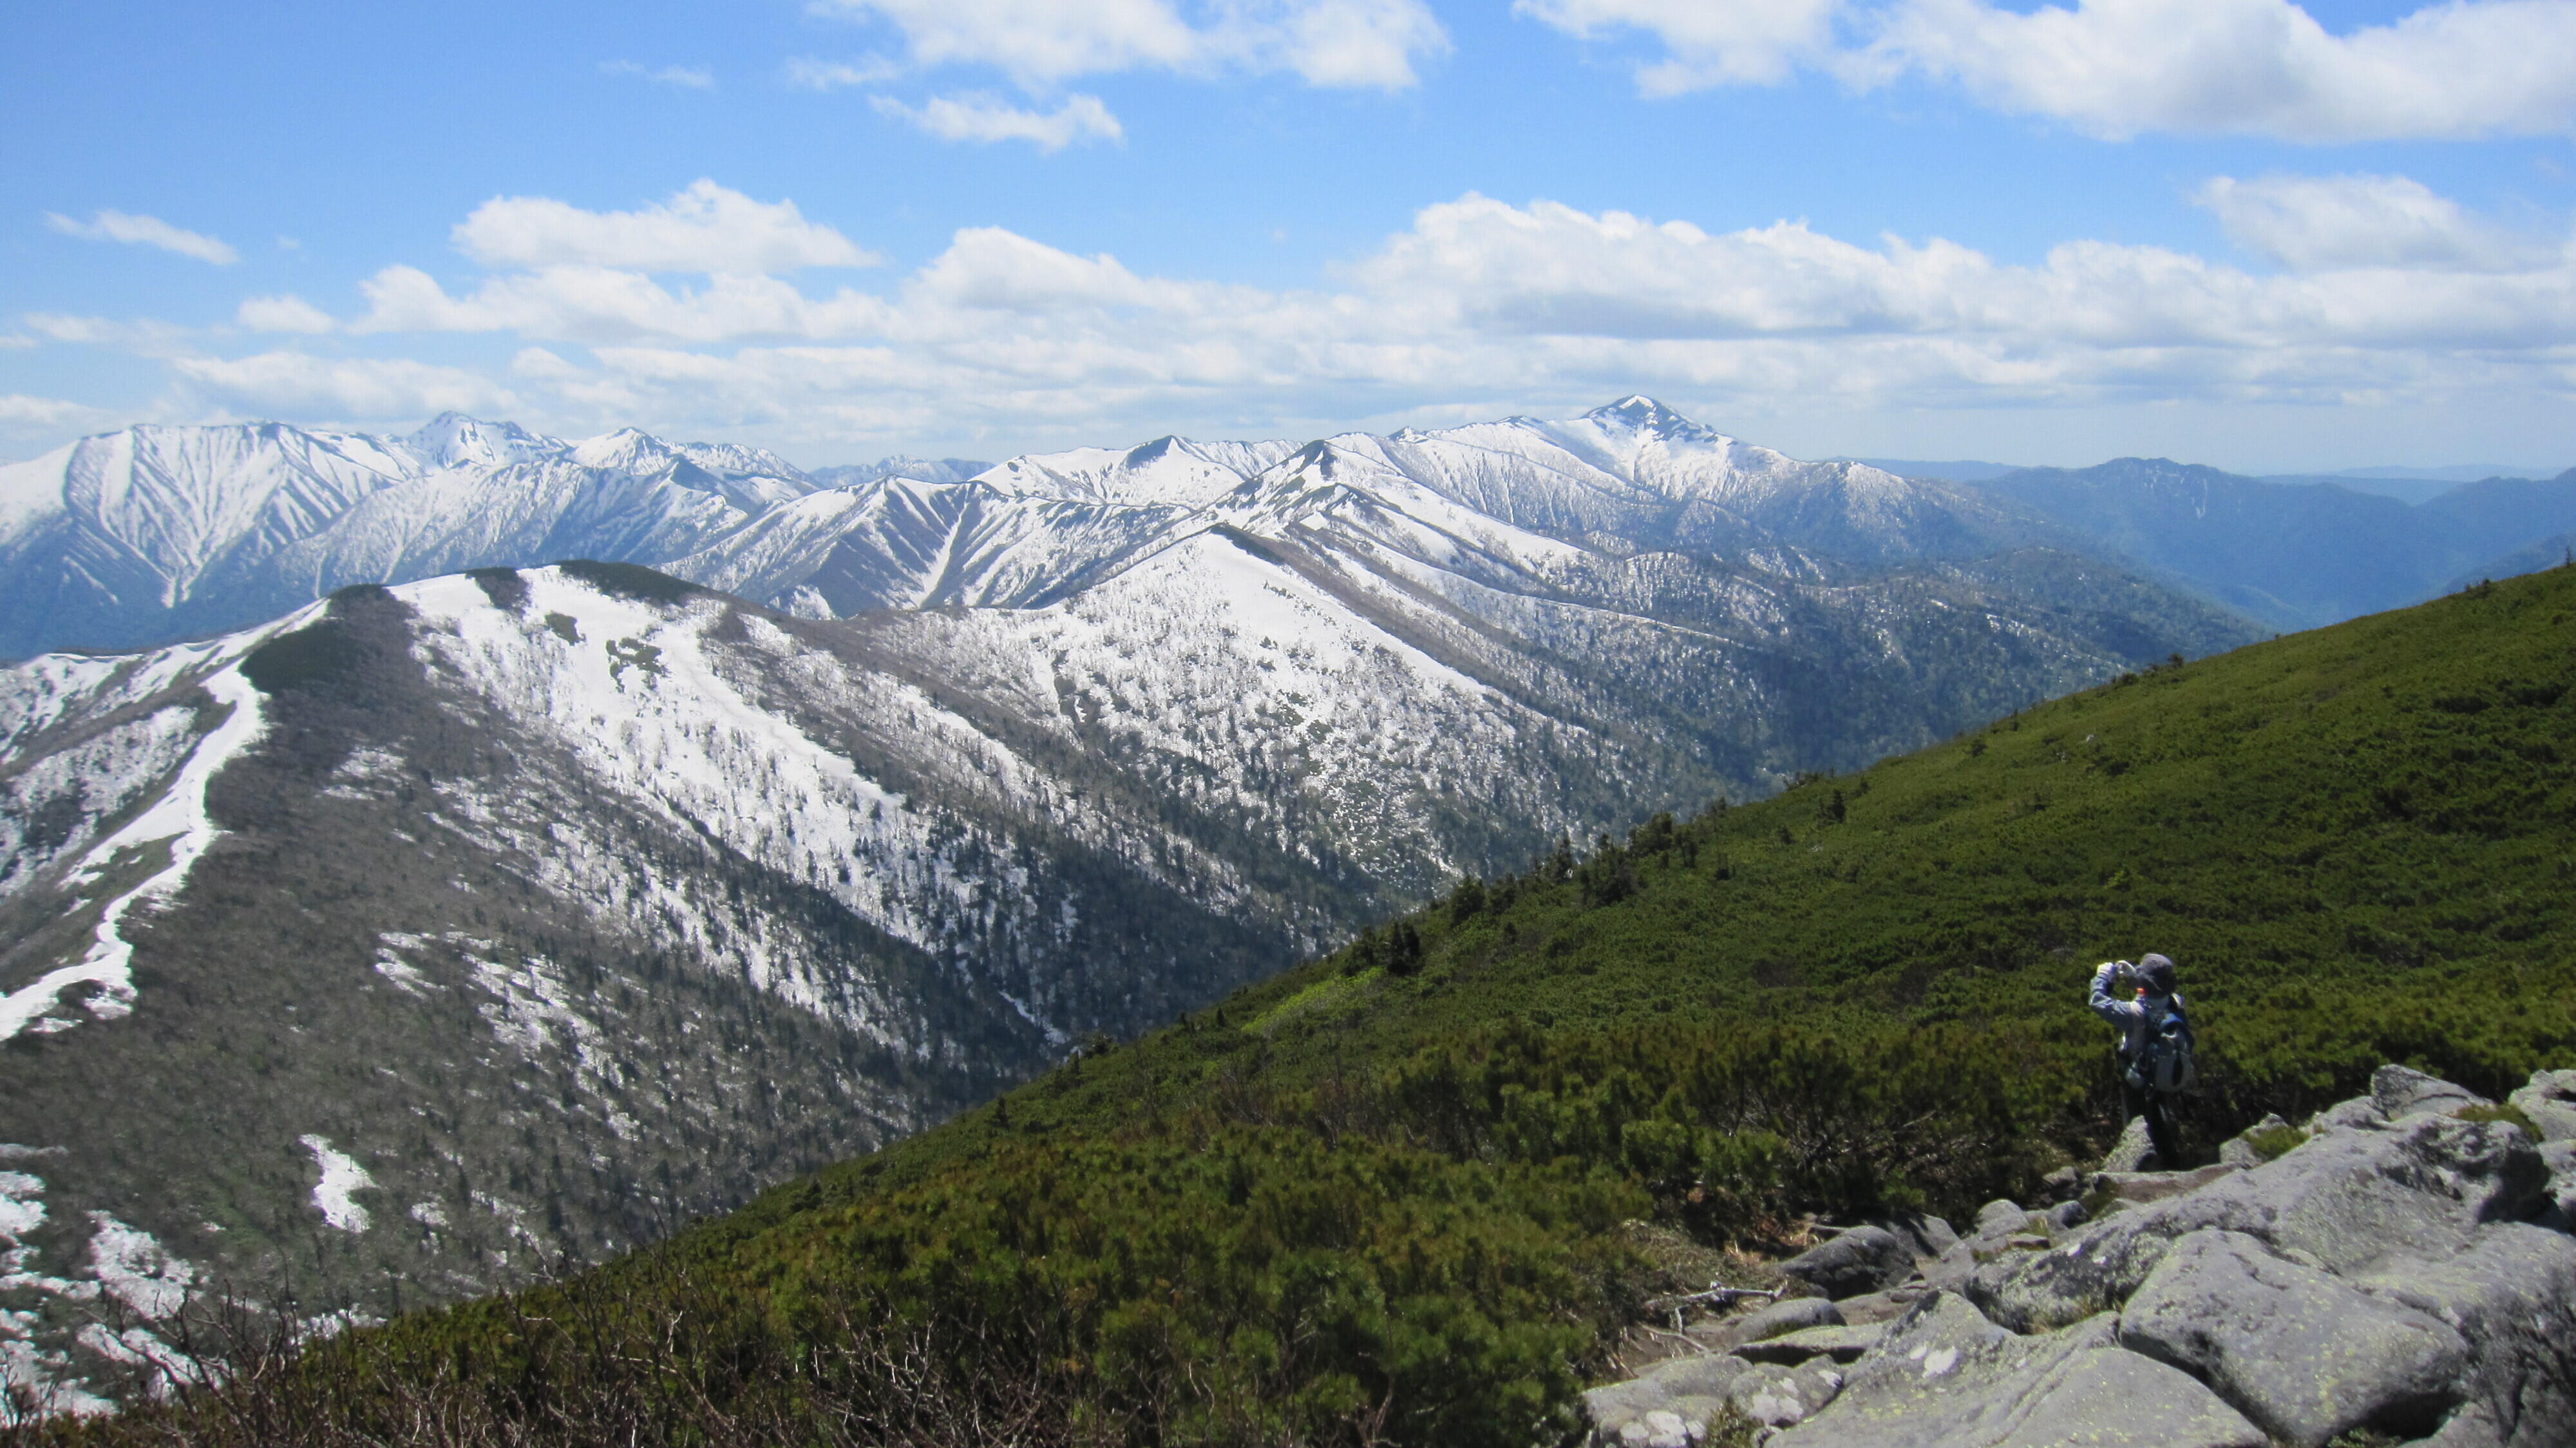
2115	68
704	228
683	77
294	384
1481	298
283	314
602	304
1039	43
985	118
144	231
2321	223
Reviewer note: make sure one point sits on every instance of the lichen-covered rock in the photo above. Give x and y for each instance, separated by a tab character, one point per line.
2512	1296
2238	1151
2302	1354
1779	1396
1924	1234
1795	1315
1835	1344
2133	1151
2550	1102
2400	1091
1864	1259
2141	1187
1678	1396
2360	1113
2000	1218
2416	1190
1947	1378
2560	1214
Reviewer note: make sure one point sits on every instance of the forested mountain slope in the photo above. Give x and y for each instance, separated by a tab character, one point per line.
1389	1195
2297	553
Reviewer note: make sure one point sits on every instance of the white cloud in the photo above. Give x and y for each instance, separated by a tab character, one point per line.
1038	43
294	384
544	366
806	73
283	314
19	411
704	228
986	118
2322	223
144	231
2114	68
1708	42
1479	299
600	304
144	336
2262	67
684	77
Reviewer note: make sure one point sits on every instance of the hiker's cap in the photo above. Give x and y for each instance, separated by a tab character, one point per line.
2158	974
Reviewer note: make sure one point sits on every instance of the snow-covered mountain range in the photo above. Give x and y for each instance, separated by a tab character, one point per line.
419	932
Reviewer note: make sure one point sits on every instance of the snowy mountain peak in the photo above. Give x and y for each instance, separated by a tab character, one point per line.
1643	415
452	440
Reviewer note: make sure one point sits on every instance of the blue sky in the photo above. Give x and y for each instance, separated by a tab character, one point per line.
2223	230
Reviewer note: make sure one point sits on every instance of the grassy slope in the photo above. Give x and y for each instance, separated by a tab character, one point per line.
1380	1193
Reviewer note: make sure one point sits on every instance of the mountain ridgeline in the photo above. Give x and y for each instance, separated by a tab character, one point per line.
1410	1190
434	931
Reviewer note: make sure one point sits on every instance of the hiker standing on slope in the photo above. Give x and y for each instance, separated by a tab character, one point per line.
2155	1046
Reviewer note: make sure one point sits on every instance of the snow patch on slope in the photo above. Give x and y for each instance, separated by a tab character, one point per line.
179	817
342	1178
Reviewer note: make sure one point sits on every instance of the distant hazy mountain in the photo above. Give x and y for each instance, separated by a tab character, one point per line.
2293	554
398	941
927	470
2456	473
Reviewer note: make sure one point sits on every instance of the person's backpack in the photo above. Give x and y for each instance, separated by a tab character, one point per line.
2164	1064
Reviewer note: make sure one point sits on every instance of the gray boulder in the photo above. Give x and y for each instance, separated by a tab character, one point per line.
1951	1270
1668	1406
1928	1236
1780	1396
2414	1191
1834	1344
2238	1151
2000	1219
2550	1102
1947	1378
2560	1214
1864	1259
2302	1354
2400	1091
1795	1315
2132	1152
2140	1187
2359	1114
2512	1296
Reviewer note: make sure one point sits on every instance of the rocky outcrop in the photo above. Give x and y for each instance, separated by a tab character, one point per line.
1864	1259
1795	1315
1945	1376
2301	1352
2550	1102
2354	1200
2399	1274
